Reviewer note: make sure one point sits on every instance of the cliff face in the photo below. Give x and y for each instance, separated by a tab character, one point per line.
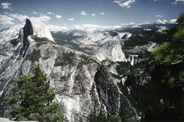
83	88
28	30
111	96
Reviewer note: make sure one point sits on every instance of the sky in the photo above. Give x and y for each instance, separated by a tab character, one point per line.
62	14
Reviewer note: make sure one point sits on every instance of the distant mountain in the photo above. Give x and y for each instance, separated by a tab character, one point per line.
94	43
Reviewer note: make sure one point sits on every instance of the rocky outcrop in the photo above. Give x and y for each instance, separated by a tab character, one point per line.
107	90
111	50
28	30
7	120
114	100
39	29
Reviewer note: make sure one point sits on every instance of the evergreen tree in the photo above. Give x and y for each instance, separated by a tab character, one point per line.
34	98
172	51
171	54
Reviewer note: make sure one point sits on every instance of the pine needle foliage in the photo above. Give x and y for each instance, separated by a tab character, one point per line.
33	99
171	53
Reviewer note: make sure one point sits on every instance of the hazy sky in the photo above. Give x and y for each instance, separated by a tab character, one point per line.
94	12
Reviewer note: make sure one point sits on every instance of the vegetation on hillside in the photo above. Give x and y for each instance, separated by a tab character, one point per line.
111	118
161	98
34	56
65	59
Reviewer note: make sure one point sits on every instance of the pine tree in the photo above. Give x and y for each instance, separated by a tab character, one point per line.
171	53
34	98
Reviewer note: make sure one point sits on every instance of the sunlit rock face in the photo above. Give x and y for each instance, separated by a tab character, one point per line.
39	28
111	50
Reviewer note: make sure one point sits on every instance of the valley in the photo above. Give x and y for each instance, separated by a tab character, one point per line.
97	75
